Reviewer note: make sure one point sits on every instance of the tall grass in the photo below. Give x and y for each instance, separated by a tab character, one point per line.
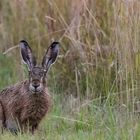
99	61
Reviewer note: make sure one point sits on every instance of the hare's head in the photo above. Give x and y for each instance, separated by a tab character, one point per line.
37	73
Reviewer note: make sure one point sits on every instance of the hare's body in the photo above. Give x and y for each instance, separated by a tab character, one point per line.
23	105
21	109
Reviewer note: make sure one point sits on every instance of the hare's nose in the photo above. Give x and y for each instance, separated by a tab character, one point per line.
35	84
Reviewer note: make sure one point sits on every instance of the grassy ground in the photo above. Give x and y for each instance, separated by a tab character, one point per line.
91	121
95	82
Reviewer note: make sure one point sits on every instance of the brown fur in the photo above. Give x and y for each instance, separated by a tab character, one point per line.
20	109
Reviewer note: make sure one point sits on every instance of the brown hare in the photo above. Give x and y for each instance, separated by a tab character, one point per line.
23	105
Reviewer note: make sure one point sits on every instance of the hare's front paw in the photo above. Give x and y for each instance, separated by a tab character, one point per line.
12	126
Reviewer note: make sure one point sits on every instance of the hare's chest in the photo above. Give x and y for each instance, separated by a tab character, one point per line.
35	109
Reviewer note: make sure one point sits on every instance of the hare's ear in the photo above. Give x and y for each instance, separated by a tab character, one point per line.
26	54
50	55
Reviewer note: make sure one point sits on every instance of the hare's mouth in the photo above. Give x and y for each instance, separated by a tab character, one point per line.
35	89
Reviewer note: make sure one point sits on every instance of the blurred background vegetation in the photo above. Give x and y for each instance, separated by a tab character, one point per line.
99	61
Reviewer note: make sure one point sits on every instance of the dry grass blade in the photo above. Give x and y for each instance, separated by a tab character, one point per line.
10	49
71	120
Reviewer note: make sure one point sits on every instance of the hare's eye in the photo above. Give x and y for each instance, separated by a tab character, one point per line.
40	74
